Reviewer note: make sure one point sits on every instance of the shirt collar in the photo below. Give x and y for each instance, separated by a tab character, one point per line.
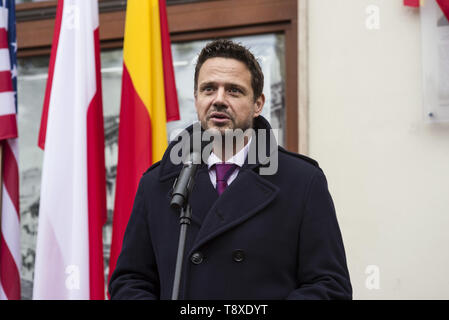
238	159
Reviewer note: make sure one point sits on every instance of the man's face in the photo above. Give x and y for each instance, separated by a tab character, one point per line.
224	98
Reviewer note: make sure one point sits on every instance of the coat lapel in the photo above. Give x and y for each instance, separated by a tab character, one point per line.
244	198
203	195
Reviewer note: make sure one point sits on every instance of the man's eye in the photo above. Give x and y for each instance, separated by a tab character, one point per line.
235	90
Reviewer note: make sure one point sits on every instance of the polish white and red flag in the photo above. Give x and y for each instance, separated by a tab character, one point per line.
10	259
69	251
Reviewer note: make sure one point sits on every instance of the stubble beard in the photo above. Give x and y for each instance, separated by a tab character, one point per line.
226	140
227	129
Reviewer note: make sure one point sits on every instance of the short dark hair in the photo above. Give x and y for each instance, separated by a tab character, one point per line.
224	48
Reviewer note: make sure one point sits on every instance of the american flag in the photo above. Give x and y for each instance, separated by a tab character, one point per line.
10	259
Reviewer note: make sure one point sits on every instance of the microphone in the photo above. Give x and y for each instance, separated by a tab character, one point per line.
184	183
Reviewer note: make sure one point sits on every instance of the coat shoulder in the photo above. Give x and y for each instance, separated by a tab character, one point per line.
153	166
150	177
292	156
152	169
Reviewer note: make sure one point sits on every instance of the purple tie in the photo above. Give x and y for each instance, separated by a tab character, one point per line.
223	171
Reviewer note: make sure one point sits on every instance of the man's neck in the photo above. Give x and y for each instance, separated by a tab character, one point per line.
227	148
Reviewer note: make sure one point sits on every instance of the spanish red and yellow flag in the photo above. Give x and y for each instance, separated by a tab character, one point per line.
149	100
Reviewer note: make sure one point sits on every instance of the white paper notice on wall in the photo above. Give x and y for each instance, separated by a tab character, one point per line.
435	55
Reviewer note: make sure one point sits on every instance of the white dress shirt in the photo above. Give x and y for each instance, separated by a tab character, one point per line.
238	159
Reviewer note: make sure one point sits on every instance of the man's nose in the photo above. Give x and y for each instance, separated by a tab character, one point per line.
220	97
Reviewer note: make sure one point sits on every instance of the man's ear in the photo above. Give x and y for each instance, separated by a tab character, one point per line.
258	105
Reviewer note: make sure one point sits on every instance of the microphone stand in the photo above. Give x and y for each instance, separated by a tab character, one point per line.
184	221
180	200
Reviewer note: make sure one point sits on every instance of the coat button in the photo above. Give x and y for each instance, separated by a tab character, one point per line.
197	258
238	255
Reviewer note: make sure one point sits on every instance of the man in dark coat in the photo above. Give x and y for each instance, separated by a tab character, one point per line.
253	235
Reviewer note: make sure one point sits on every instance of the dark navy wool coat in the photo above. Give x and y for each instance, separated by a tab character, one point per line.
266	237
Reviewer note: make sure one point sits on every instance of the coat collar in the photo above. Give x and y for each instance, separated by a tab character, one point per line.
256	156
244	198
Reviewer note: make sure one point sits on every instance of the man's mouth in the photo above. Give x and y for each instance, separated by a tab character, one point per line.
219	117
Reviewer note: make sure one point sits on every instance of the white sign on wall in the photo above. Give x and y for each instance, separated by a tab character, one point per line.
435	55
